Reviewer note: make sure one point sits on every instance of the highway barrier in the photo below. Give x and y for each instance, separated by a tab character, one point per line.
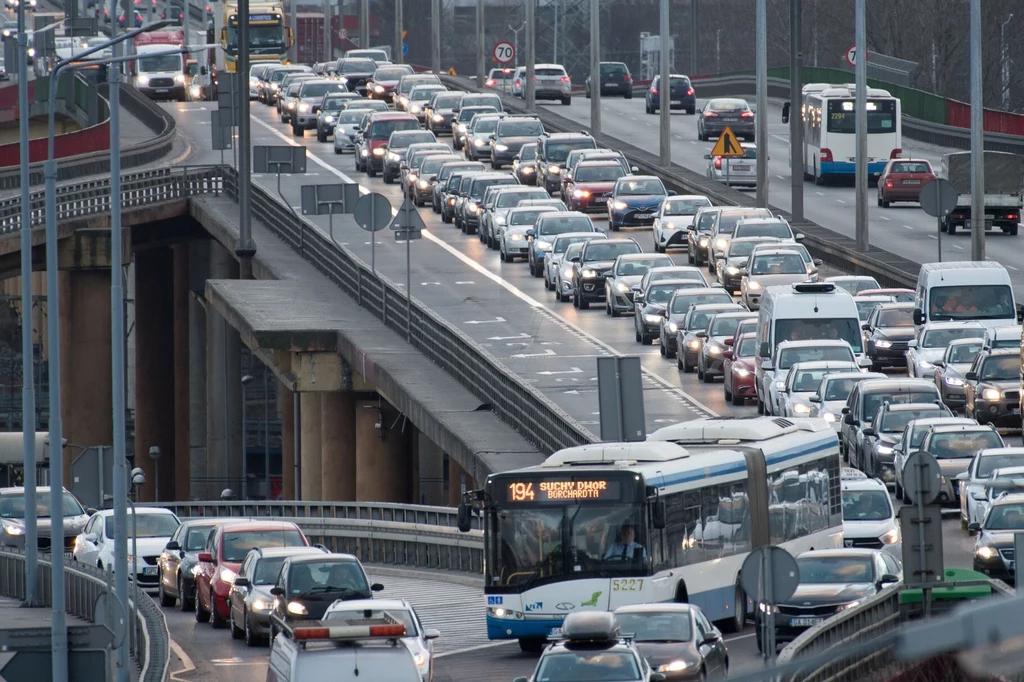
84	586
413	536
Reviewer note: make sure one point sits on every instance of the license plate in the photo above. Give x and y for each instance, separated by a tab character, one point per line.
726	118
805	622
644	215
69	555
1014	410
741	168
555	632
911	182
149	570
968	222
677	101
162	91
600	200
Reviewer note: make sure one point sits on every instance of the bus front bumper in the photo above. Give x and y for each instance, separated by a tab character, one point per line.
515	628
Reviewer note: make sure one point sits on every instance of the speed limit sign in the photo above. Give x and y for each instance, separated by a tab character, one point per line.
504	52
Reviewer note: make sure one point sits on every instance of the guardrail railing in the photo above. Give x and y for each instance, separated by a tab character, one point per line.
414	536
84	585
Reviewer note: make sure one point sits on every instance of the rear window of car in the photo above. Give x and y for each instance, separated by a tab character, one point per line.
908	167
390	74
381	130
728	105
482	101
357	66
613	69
548	71
319	89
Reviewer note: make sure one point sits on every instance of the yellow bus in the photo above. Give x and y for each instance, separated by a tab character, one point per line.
269	38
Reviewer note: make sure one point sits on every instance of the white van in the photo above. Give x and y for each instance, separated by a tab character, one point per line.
965	290
802	312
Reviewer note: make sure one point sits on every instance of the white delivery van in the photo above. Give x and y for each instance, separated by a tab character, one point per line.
964	291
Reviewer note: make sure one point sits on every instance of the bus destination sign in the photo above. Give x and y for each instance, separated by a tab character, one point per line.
563	490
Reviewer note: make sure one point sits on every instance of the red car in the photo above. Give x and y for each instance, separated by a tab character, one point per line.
226	548
589	183
738	369
902	180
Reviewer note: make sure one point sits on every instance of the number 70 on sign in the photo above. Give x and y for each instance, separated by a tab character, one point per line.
504	52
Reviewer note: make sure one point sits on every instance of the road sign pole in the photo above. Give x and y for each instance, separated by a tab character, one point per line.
481	64
977	139
531	47
861	124
399	33
595	68
938	222
408	287
796	120
665	95
761	134
373	241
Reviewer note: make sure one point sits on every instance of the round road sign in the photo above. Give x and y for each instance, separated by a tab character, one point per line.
504	52
922	478
770	575
851	55
938	197
372	212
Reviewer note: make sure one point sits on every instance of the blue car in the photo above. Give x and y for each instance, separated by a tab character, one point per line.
635	201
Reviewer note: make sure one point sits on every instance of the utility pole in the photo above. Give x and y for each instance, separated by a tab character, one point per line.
481	64
665	88
399	38
796	119
327	31
364	23
977	139
694	37
761	134
293	11
435	36
1004	63
531	34
595	68
861	122
245	248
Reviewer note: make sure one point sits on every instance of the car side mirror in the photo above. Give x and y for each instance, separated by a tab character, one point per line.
707	157
848	419
205	557
798	236
376	587
241	581
90	537
868	432
912	343
202	70
865	326
521	679
889	578
574	259
974	527
91	510
979	497
172	546
636	287
815	398
465	521
971	376
727	355
701	334
940	363
530	234
277	591
671	192
728	342
431	634
634	169
711	640
657	677
919	318
963	476
785	112
817	261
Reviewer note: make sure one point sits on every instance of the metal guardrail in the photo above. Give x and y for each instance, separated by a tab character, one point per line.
415	536
84	585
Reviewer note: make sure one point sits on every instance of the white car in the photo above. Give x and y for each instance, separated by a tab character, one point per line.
974	495
153	528
674	218
802	382
419	641
853	284
869	520
910	442
828	401
513	242
930	345
787	354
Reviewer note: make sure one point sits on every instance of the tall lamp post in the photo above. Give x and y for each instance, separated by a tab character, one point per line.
246	380
138	478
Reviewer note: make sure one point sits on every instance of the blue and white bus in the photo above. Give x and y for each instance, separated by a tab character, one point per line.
830	139
670	519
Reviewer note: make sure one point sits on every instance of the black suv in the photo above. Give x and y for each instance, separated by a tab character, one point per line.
552	151
354	72
597	258
510	136
887	332
615	80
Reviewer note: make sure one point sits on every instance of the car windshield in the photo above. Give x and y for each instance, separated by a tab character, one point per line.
12	506
482	101
866	505
468	114
728	219
813	329
656	627
147	526
777	230
267	570
779	264
739	248
683	206
308	577
940	338
446	101
989	463
528	152
485	125
333	104
599	173
423	93
585	665
167	62
237	543
896	317
873	401
521	129
281	74
1005	517
357	66
839	389
642	187
430	166
865	308
816	570
855	286
558	152
352	617
688	273
724	326
526	218
962	444
790	356
896	421
561	225
310	90
410	137
389	74
598	251
1000	368
635	268
382	130
480	186
807	380
747	347
699	320
511	199
680	304
728	105
660	294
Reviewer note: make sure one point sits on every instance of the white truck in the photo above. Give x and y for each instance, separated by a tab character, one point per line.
1004	190
159	75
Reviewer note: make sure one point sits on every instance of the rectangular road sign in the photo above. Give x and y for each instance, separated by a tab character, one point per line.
221	130
81	26
328	199
620	399
11	52
284	158
922	561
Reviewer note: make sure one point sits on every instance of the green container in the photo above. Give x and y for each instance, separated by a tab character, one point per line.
966	593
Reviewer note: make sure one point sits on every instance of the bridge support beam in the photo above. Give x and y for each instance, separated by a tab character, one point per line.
223	388
154	370
382	453
198	266
338	445
182	379
86	398
458	479
310	468
286	407
431	466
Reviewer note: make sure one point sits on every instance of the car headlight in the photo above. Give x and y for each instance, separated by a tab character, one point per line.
194	90
714	349
304	108
829	417
742	372
499	220
668	225
721	244
704	241
753	285
423	184
437	118
953	381
619	205
672	327
580	193
694	344
516	237
588	273
554	170
892	537
291	105
415	109
421	658
673	667
652	319
765	608
379	89
473	207
227	575
884	450
478	142
732	270
328	119
393	157
621	288
501	147
179	78
986	552
847	607
142	78
883	343
296	609
800	408
412	176
526	169
275	86
461	127
543	245
781	385
379	151
14	530
260	605
365	152
991	394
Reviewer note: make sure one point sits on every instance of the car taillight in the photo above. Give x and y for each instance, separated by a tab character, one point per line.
627	77
747	114
718	163
690	91
895	153
490	82
710	114
565	79
654	91
888	184
825	155
1012	216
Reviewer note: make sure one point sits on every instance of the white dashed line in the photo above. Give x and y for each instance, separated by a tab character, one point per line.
840	201
884	218
820	194
932	236
958	247
908	227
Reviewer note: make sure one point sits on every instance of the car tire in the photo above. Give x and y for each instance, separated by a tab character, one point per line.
691	111
507	258
739	611
532	645
566	101
388	180
297	131
681	364
963	523
216	620
728	394
371	172
707	377
250	638
202	615
647	108
337	151
166	600
661	349
629	95
737	400
584	303
236	632
183	599
321	136
646	340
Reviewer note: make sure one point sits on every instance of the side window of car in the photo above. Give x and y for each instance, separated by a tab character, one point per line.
891	564
91	526
702	630
211	543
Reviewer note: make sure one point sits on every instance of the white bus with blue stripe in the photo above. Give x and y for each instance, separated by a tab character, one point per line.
697	496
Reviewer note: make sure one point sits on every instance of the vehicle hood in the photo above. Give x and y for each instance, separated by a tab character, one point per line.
853	528
773	280
654	309
823	594
263	592
1002	385
516	143
930	354
373	144
600	265
628	280
951	468
152	546
676	222
73	525
647	202
897	333
997	539
958	369
660	653
596	187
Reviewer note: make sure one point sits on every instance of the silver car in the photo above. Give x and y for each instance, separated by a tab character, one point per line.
770	267
558	264
736	171
950	371
930	344
552	82
346	125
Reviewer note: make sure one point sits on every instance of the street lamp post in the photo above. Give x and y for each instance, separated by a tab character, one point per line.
246	380
138	478
1004	59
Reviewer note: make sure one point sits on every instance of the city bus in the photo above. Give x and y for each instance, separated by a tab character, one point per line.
830	139
269	38
670	519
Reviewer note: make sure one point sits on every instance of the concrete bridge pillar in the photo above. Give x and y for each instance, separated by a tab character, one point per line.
338	445
198	266
86	397
311	464
154	374
286	407
223	388
382	453
431	465
182	387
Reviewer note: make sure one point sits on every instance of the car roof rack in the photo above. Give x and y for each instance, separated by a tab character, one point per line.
387	627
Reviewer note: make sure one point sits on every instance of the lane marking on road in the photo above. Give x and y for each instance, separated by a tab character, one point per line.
958	247
840	201
781	177
820	194
884	218
908	227
932	236
186	662
738	637
694	404
1009	267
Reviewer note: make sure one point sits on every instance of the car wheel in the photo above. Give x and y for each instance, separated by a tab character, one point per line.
216	619
739	611
728	393
250	638
297	131
584	303
629	95
321	136
202	615
183	599
681	364
575	299
689	255
566	101
661	349
166	600
707	377
647	108
505	257
236	632
691	111
737	400
646	340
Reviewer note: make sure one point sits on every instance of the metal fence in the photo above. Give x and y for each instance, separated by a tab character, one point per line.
84	585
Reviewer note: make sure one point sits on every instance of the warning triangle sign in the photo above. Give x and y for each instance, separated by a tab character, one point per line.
408	218
727	144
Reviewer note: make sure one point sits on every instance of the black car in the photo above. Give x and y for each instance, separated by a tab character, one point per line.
681	95
327	115
677	308
615	80
552	151
649	307
994	549
725	112
597	258
831	580
524	165
180	556
887	332
437	115
355	72
509	137
676	639
308	584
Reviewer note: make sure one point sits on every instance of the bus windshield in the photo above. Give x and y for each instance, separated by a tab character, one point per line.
842	116
810	329
261	36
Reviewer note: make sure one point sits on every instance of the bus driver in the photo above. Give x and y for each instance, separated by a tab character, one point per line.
626	547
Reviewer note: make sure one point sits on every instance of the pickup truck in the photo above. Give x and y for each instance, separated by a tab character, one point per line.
1004	190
